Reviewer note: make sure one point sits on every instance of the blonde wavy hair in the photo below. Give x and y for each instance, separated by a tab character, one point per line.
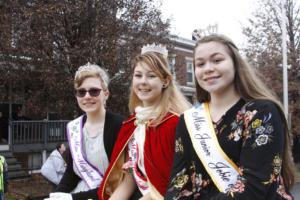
172	100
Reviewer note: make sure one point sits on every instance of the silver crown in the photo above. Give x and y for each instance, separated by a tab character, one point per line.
155	48
87	67
95	69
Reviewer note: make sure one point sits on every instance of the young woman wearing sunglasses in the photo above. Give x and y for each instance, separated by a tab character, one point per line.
91	137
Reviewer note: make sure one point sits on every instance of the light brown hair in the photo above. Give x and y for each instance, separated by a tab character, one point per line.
91	70
250	87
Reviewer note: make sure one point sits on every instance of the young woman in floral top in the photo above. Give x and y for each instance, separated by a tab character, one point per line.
249	126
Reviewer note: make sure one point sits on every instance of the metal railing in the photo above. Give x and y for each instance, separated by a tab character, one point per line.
36	133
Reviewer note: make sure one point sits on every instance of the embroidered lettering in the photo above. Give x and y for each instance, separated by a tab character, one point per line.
198	120
204	145
220	168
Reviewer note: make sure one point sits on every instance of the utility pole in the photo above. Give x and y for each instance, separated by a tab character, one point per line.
284	61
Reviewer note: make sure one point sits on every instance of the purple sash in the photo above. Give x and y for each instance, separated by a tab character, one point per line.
87	171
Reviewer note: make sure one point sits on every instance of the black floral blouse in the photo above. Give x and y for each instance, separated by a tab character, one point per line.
252	135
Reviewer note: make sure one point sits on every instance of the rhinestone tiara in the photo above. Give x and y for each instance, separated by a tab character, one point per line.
86	67
94	68
155	48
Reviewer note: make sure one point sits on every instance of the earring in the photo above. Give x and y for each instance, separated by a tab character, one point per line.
164	86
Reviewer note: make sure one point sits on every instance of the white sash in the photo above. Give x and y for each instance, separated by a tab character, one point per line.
221	169
140	180
135	155
87	171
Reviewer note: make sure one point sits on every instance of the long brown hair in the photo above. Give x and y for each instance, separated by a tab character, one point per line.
172	100
250	87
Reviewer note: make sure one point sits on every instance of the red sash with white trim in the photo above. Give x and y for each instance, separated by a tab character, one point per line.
87	172
221	169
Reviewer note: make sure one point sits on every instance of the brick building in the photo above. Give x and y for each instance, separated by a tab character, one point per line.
181	65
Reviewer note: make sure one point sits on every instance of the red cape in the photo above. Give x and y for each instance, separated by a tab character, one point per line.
158	155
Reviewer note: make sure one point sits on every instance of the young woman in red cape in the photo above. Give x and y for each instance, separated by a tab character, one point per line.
142	157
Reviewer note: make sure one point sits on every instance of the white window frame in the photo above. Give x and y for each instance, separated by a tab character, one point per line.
190	69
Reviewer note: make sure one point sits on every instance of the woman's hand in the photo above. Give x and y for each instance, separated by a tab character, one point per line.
125	189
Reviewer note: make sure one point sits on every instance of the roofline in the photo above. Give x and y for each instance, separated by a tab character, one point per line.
183	41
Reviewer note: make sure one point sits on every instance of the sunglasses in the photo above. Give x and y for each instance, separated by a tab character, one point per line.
93	92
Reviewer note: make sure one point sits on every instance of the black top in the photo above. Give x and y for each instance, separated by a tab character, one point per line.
252	135
69	181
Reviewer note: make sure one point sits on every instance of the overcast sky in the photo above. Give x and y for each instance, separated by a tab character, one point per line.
188	15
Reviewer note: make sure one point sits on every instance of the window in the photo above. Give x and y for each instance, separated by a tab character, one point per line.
189	72
172	61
